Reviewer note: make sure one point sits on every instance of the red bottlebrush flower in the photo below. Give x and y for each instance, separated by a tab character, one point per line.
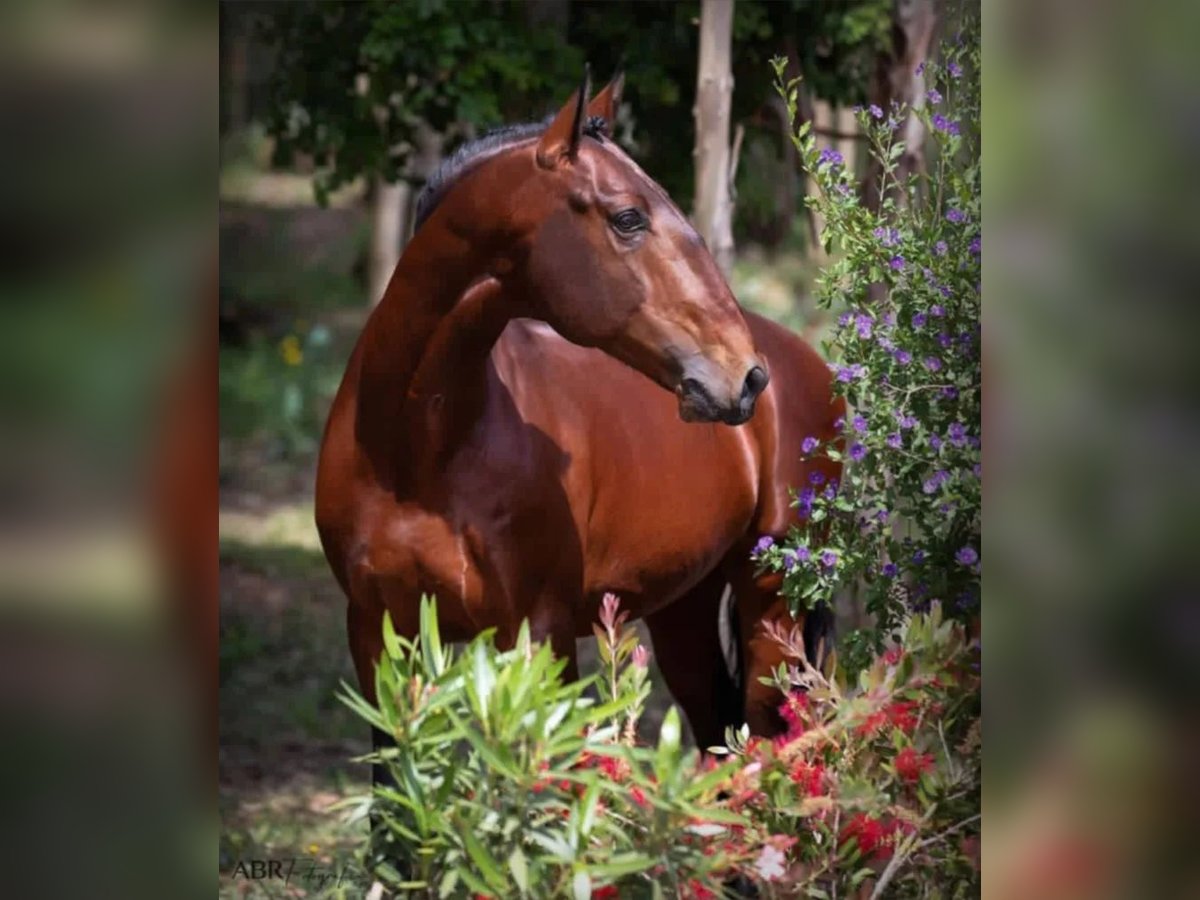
608	890
871	724
910	764
810	777
869	834
902	714
615	769
639	796
795	712
696	890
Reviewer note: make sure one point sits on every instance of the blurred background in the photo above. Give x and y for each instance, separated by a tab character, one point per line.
109	280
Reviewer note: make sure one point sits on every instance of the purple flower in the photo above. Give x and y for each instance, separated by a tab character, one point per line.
808	445
967	556
933	364
935	442
944	340
838	424
858	452
891	570
897	263
859	423
957	435
863	323
957	216
919	557
830	156
920	68
889	237
934	96
803	554
974	246
846	374
940	248
918	320
894	440
830	490
829	558
937	310
844	319
903	357
805	501
886	343
765	543
954	69
941	123
789	560
906	422
876	111
977	470
950	392
817	478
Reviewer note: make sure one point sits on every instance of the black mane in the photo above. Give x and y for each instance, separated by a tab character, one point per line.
454	165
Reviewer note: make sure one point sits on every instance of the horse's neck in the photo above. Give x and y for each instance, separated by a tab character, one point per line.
425	348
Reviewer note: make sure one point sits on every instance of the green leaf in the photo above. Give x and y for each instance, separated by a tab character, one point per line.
622	864
519	868
488	867
391	641
431	641
484	678
581	886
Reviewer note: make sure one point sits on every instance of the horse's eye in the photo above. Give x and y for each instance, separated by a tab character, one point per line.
627	221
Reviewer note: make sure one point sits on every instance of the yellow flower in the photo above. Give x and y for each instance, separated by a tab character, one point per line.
313	849
289	349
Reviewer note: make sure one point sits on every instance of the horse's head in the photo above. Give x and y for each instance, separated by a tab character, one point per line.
612	263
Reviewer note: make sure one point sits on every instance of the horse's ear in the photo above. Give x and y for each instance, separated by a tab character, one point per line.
606	103
561	139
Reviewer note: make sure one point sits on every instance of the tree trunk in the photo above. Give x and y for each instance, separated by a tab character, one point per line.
896	79
389	209
713	212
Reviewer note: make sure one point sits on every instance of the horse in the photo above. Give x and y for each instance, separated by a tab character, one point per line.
559	397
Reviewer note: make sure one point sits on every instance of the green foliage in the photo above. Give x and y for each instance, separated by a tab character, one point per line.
279	392
510	783
353	80
906	518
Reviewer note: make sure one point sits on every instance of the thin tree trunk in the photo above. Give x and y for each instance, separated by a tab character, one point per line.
714	89
389	209
896	80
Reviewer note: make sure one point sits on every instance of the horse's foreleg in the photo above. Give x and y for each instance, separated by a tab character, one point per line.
759	602
687	648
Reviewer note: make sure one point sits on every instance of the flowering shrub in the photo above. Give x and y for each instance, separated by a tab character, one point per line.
906	519
510	783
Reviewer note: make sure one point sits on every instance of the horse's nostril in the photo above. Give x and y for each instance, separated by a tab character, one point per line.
756	382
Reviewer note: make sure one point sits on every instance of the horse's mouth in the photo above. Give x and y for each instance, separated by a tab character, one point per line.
697	405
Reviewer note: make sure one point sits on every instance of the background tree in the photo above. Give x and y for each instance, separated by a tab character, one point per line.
713	214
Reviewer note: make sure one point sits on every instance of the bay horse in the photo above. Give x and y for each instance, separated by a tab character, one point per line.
557	397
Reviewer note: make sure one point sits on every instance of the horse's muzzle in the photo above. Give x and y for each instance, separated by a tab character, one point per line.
697	404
